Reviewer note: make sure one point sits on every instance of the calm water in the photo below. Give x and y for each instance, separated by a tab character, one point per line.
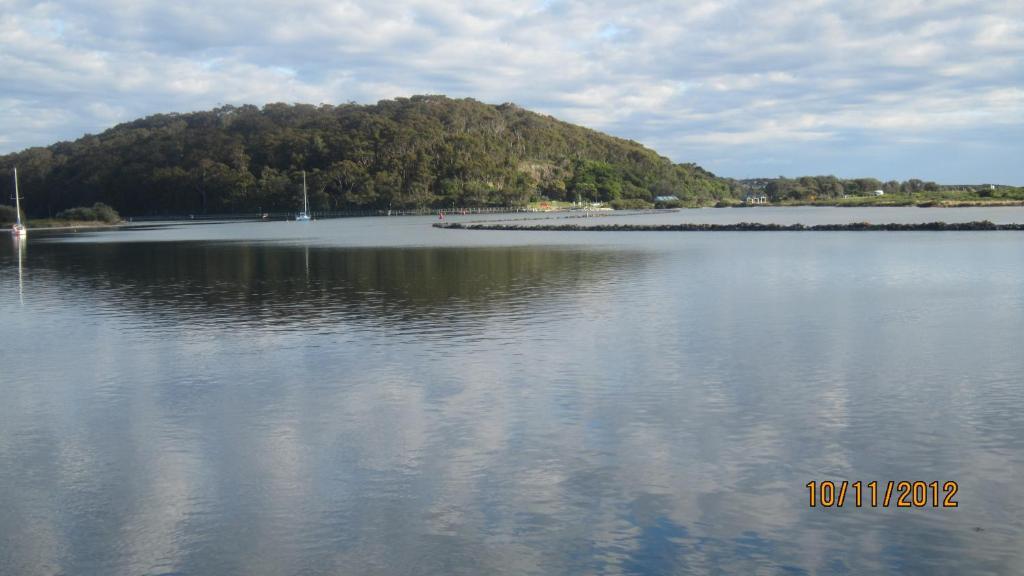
808	215
375	396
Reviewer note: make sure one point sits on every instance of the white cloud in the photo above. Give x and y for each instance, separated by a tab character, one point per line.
701	80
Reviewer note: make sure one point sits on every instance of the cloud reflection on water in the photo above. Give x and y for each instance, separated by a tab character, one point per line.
213	407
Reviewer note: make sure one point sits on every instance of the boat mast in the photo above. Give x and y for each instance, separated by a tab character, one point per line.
17	199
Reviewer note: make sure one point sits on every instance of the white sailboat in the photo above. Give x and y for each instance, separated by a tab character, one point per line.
304	215
18	230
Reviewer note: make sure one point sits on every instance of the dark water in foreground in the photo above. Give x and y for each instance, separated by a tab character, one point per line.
379	397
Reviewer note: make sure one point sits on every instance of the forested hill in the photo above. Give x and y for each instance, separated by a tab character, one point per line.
408	152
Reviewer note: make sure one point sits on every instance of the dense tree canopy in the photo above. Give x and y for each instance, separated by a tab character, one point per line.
408	152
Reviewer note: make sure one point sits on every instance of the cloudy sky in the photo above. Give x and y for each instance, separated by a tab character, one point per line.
932	89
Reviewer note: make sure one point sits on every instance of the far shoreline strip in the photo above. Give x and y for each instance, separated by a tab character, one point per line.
977	226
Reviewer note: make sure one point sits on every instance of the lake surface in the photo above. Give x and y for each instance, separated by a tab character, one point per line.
376	396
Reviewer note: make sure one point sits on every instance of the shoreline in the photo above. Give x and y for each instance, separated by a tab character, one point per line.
983	225
908	204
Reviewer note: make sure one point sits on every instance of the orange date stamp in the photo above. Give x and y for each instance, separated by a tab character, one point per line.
894	494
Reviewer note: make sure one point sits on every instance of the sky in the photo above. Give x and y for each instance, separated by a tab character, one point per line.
892	89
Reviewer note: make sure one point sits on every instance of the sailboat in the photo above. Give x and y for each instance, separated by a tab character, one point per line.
304	215
18	230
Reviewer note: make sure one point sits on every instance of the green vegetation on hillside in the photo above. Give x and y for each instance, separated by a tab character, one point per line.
424	151
408	152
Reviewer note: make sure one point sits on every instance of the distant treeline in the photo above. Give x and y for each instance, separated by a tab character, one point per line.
818	188
409	152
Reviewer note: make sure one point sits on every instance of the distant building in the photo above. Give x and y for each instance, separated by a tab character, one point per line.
665	199
879	192
756	198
